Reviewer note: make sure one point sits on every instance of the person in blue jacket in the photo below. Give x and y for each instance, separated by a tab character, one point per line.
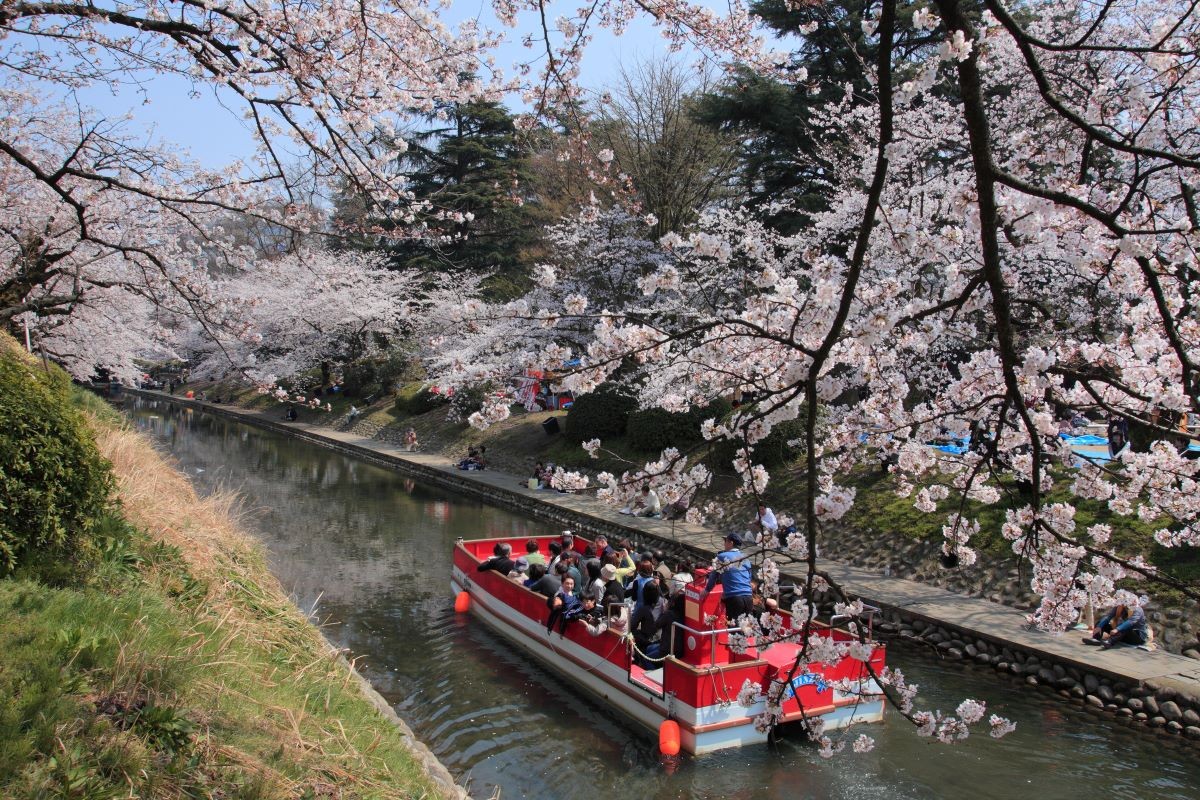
1122	625
734	574
564	607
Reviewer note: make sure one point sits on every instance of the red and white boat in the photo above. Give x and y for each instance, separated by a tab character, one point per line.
699	691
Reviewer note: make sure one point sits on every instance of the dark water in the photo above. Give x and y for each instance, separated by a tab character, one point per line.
370	551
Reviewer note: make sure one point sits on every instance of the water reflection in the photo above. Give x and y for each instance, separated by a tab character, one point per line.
370	550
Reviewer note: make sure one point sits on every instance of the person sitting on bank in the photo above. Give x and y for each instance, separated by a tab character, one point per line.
734	574
290	416
1123	625
768	524
500	560
535	479
646	505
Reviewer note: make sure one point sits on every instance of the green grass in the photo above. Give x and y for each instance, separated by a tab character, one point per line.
877	507
131	681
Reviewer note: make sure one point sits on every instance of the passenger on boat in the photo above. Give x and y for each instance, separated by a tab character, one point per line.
644	625
637	587
533	553
603	548
520	570
760	602
588	554
661	566
734	574
681	579
614	590
571	559
626	566
564	607
555	549
500	560
595	584
536	573
548	584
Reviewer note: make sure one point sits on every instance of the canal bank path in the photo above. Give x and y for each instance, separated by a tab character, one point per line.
1159	672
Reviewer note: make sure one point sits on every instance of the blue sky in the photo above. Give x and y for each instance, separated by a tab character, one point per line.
216	135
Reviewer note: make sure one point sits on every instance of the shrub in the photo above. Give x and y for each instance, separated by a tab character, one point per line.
599	415
415	399
54	484
653	429
774	450
465	402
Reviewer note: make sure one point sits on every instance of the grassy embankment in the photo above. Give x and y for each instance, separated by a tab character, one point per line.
517	443
158	658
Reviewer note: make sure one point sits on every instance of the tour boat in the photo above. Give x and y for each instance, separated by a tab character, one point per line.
699	691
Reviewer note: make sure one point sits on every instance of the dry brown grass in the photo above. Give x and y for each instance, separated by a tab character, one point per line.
260	662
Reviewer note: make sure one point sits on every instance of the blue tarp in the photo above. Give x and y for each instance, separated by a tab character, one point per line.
1083	439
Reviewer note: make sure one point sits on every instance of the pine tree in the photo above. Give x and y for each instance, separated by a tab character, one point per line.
469	173
776	123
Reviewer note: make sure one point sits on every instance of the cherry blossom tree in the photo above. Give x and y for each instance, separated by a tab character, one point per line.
98	208
1011	238
302	310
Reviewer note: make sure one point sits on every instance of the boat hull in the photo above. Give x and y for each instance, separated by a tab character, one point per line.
702	701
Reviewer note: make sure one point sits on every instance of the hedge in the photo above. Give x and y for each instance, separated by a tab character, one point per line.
54	484
600	415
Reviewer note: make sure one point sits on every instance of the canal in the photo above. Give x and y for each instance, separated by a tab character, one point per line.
368	551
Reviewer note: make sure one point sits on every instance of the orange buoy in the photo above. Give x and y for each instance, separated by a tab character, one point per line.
462	603
668	738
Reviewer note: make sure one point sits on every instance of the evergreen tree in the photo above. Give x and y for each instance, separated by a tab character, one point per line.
777	124
469	173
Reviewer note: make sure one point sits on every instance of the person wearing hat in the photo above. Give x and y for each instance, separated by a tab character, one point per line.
733	571
614	590
519	570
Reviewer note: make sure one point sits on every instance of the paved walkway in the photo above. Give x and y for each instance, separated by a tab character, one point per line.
980	619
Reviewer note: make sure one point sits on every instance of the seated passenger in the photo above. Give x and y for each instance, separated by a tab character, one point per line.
533	553
595	584
500	561
548	584
760	603
564	607
536	573
520	570
614	590
555	549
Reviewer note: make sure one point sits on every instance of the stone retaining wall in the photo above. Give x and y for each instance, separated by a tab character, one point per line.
891	553
1150	703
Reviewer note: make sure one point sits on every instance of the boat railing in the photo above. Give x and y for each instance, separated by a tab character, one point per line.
868	611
